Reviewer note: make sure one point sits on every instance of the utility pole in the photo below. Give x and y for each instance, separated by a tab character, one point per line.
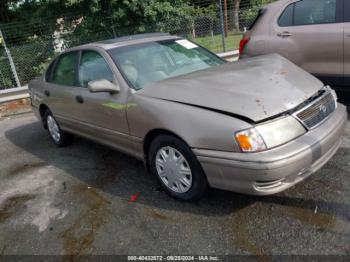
9	56
222	26
236	10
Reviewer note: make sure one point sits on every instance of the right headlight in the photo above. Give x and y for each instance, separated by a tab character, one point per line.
269	135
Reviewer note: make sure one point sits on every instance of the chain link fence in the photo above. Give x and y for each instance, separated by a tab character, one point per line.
26	49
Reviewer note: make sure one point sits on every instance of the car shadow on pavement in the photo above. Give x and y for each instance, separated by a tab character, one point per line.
114	173
121	176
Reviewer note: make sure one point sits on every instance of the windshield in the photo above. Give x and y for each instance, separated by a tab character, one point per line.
148	63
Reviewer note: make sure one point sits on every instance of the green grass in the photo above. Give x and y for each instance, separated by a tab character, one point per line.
214	43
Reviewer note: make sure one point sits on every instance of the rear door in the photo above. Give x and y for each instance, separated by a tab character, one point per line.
310	33
347	44
60	88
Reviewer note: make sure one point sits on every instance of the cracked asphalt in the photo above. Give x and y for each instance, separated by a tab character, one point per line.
75	201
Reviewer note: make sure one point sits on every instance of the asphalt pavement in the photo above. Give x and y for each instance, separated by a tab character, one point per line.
77	200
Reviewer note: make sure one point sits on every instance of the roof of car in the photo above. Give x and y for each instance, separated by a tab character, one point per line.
128	40
280	3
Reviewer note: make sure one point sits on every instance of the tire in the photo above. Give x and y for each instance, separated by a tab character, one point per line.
171	161
58	136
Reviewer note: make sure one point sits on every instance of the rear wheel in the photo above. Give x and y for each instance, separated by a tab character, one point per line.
59	137
177	168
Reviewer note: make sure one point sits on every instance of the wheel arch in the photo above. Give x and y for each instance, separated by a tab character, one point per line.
42	109
151	136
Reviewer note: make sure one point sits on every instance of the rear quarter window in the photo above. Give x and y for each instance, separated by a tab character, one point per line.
48	74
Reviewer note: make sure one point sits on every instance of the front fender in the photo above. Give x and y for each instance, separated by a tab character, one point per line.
198	127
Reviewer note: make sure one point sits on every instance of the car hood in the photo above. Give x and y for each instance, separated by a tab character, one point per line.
255	88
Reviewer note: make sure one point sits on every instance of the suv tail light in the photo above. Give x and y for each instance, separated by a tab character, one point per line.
243	44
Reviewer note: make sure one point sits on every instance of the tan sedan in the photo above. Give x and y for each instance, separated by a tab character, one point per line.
257	127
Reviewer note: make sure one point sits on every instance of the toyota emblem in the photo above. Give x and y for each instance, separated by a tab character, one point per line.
323	109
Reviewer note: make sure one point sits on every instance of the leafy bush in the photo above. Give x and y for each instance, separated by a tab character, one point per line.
248	16
6	77
31	58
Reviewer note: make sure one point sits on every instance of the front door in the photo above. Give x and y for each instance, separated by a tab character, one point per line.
103	115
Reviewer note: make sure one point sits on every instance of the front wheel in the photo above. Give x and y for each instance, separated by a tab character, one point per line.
59	137
177	168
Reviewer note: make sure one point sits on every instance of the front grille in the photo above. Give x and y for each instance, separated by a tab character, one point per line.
316	112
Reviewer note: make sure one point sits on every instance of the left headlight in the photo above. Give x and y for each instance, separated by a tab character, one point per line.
270	134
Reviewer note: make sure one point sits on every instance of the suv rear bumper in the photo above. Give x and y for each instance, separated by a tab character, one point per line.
273	171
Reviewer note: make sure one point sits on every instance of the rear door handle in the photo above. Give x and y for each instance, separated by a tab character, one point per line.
284	34
47	93
79	99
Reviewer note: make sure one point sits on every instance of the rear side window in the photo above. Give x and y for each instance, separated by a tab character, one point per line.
347	11
315	12
309	12
65	70
286	19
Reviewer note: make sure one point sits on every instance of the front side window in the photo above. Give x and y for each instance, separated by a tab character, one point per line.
64	73
93	67
148	63
309	12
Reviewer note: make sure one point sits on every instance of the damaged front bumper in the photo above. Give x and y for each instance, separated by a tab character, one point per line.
276	170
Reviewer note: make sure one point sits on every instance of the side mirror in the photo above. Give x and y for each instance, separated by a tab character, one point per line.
103	85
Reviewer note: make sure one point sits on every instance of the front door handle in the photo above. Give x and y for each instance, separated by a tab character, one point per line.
79	99
47	93
284	34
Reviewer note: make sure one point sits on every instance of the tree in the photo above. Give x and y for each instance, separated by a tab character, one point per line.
5	13
236	10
